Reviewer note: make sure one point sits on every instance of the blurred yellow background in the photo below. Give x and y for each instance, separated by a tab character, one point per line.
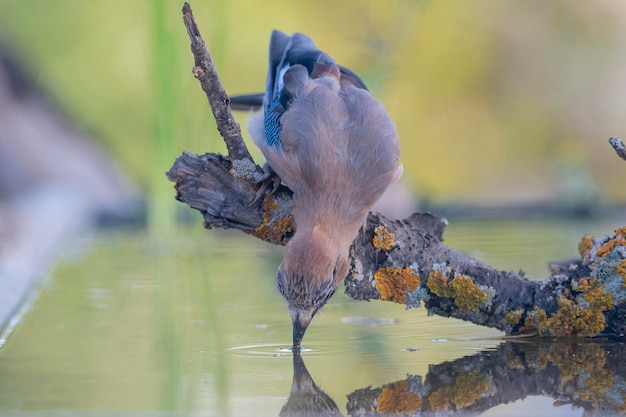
496	101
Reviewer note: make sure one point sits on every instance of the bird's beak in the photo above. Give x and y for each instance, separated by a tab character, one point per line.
299	327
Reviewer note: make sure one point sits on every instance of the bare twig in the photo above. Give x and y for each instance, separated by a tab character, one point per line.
204	70
619	147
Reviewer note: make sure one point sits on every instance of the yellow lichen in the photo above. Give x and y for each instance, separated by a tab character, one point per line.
621	269
394	283
463	392
274	231
585	245
514	362
574	316
438	284
594	295
396	399
466	294
513	317
535	321
383	239
575	361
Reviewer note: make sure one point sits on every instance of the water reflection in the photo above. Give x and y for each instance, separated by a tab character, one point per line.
305	398
588	376
135	327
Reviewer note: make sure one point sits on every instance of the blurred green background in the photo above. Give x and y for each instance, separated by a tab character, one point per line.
495	101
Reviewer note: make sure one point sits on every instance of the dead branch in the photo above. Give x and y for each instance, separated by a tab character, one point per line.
204	70
619	147
405	261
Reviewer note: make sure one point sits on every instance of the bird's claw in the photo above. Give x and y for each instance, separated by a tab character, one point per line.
269	178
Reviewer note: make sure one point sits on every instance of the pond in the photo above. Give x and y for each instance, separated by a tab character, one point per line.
193	325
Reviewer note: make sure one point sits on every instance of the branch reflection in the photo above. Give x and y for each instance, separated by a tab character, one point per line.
586	375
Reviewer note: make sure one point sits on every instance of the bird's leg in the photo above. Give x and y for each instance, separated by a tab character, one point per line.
268	178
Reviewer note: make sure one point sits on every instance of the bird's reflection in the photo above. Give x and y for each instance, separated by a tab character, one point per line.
305	398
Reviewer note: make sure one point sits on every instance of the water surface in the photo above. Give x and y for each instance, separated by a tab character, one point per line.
193	325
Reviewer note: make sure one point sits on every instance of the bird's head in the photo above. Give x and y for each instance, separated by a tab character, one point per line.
312	269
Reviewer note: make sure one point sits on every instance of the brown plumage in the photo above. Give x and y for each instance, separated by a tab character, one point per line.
337	150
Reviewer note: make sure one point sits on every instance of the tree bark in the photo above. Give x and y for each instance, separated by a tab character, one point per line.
405	261
619	147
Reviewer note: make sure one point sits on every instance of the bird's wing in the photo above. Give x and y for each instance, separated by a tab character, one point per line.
286	52
321	129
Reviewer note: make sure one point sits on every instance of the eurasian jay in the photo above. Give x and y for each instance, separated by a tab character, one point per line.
335	147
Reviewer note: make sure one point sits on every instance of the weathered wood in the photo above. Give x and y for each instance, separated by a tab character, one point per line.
206	183
405	261
619	147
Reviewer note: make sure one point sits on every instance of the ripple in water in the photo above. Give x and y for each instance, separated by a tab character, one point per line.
280	350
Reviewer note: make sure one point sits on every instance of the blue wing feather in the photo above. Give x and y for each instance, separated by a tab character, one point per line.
285	52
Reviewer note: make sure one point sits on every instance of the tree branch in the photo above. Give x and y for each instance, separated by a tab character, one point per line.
205	72
405	261
619	147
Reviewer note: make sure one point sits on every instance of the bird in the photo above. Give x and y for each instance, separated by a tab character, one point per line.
334	145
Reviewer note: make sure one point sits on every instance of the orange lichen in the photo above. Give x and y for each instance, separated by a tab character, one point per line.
585	245
274	228
618	239
466	294
594	294
394	283
438	284
383	239
579	316
606	248
621	269
463	392
396	399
